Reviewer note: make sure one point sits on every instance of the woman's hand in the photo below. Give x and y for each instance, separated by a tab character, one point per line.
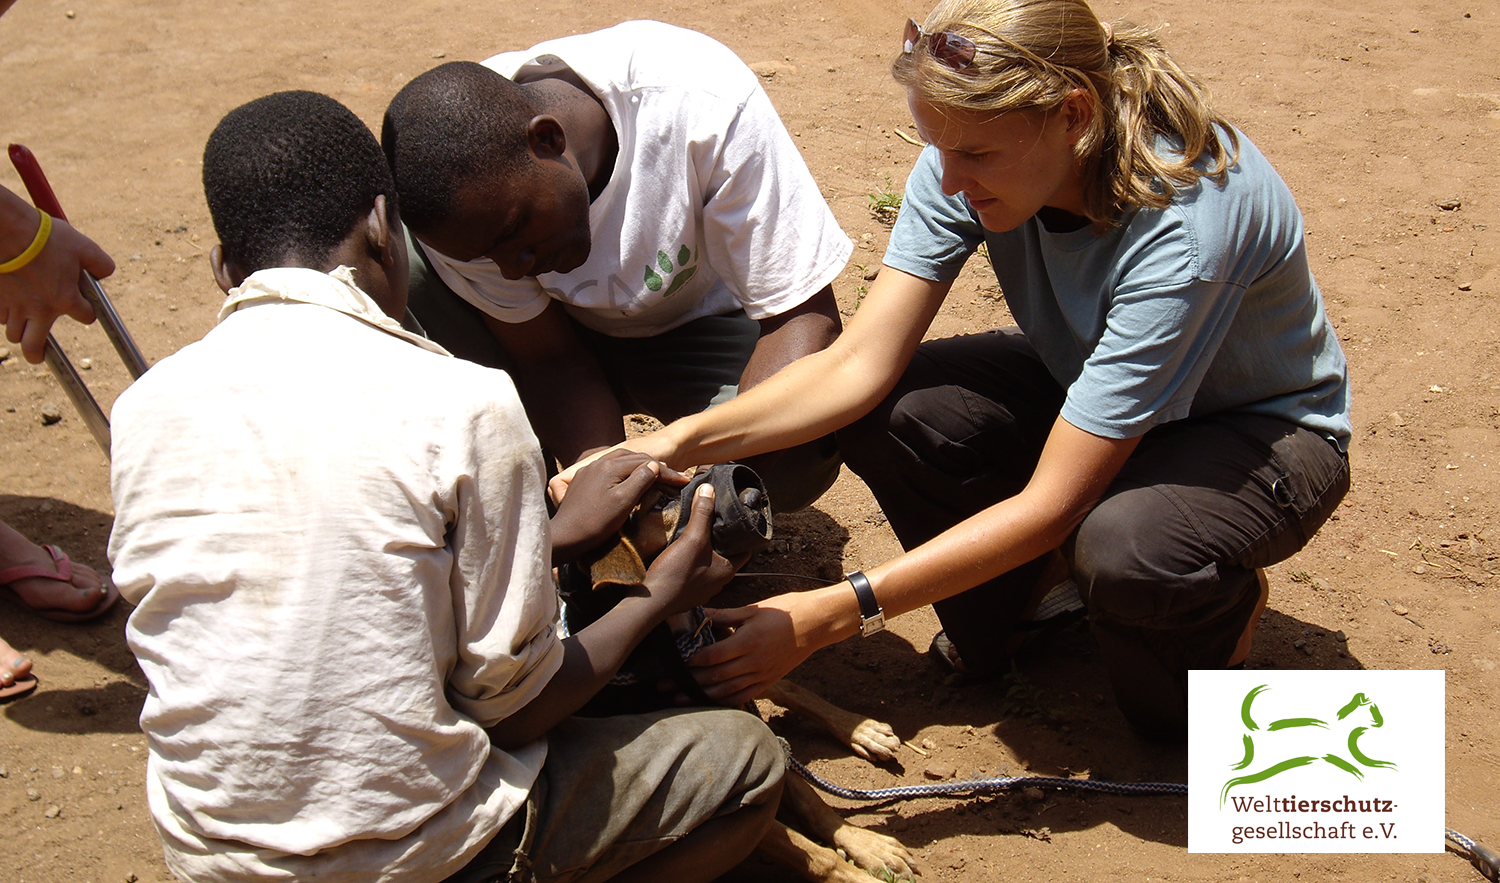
650	446
766	641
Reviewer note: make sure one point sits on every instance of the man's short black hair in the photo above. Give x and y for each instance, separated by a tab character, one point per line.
288	177
457	123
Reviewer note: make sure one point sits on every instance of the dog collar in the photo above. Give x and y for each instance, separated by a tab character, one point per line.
871	616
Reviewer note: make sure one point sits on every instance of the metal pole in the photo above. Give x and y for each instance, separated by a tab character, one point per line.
83	400
114	329
78	392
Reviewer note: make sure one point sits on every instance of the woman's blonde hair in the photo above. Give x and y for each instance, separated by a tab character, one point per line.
1032	54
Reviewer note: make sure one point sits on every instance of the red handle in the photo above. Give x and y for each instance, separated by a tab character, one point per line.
36	182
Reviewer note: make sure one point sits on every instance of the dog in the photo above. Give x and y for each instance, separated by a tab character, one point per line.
741	526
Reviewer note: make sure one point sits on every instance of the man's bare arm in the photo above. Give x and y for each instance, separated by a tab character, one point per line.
805	329
684	576
567	398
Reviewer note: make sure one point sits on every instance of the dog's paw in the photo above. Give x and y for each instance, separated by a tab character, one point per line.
876	854
874	741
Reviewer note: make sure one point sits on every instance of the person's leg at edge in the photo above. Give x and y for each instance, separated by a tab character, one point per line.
961	431
83	593
1168	560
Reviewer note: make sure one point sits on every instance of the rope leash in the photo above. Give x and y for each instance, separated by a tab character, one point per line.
981	786
1484	859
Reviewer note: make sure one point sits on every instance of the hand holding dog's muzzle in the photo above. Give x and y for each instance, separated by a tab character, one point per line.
742	511
562	483
604	494
689	572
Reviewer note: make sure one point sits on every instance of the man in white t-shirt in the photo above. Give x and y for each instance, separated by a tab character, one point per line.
627	227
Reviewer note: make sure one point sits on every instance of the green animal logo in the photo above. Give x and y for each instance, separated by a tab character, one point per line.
1351	744
679	272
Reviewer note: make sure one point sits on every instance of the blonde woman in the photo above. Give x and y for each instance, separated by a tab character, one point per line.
1171	413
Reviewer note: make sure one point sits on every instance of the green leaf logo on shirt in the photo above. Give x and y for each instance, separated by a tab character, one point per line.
679	273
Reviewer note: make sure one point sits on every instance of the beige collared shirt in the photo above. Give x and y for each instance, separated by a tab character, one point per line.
336	539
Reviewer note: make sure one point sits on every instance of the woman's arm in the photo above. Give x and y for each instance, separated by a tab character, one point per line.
818	393
812	396
773	637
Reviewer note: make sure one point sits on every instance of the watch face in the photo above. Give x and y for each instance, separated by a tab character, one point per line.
872	625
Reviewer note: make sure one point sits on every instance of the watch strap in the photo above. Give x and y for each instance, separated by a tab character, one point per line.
871	616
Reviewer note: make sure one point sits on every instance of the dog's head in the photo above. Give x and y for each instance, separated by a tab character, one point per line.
595	583
742	524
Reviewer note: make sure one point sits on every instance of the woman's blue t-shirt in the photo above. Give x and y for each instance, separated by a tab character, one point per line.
1204	306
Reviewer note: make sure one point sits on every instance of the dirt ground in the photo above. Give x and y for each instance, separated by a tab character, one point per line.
1378	114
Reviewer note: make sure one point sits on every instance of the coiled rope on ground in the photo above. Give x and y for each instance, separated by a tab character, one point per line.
1484	859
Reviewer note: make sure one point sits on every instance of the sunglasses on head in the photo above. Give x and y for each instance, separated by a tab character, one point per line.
951	50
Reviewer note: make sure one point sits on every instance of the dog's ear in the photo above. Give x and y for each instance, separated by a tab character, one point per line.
617	564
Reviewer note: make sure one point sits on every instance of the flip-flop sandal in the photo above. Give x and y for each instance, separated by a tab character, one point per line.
63	573
21	686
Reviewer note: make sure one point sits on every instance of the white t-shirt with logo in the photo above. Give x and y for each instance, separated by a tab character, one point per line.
710	208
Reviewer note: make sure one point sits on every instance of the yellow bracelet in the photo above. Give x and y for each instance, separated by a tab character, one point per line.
32	250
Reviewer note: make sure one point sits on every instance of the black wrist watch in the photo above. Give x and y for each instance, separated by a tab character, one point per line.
871	617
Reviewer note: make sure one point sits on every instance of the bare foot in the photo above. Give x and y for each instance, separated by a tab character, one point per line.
14	665
82	594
